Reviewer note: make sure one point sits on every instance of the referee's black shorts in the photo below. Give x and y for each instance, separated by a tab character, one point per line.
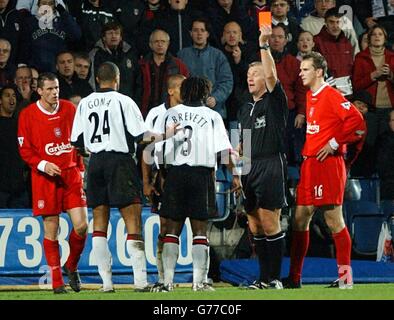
113	180
265	185
188	192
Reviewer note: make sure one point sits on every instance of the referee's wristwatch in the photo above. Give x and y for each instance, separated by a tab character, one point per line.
265	46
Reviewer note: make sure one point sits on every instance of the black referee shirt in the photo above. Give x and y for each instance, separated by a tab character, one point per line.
266	118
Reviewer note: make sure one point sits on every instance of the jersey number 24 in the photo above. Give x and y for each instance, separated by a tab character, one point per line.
105	130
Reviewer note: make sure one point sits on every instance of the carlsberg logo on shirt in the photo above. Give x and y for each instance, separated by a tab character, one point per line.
312	128
56	150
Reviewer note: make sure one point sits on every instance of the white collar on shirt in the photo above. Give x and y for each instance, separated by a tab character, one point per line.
45	111
275	22
325	84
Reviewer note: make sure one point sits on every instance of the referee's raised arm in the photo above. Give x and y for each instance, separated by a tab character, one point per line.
267	60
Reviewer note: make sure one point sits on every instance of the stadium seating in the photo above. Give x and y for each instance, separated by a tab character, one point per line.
364	219
370	190
223	195
293	177
391	224
352	190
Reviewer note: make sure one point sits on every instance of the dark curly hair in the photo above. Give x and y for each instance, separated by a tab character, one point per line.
195	91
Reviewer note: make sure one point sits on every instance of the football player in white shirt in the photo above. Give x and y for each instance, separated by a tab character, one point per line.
189	187
109	125
153	174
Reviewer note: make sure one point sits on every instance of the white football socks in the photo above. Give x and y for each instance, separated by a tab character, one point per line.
200	255
159	260
103	259
170	257
136	250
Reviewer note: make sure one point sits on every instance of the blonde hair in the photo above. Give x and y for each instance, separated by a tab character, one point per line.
172	79
255	64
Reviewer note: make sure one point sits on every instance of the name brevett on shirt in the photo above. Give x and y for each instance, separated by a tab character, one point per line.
190	116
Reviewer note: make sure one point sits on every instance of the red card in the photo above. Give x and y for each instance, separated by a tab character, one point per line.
265	18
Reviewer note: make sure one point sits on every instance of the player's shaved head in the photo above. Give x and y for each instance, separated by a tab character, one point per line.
174	79
107	72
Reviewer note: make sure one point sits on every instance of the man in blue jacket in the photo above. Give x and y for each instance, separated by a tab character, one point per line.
202	60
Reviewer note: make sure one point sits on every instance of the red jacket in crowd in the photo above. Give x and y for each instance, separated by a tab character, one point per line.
337	51
288	69
173	66
364	66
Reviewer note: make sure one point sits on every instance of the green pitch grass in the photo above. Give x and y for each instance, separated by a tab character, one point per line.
308	292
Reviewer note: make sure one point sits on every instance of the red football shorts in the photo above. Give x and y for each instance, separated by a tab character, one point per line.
322	183
53	195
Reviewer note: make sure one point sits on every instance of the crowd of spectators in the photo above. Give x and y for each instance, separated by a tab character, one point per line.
149	40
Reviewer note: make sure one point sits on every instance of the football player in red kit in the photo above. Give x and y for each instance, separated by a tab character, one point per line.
44	130
332	122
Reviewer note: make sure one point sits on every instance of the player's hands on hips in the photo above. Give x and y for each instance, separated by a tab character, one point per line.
52	169
325	152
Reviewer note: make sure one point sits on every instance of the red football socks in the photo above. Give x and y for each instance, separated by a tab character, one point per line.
343	246
299	248
51	249
77	243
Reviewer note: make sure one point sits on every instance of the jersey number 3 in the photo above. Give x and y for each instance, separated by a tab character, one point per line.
187	144
96	138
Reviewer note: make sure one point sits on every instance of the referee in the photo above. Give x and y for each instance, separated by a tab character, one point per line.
109	124
264	185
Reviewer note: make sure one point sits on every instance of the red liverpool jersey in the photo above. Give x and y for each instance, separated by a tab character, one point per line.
329	115
46	136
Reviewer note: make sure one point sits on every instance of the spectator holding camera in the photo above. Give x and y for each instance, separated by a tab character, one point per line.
373	71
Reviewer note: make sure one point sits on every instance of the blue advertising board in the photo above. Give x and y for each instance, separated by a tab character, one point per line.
21	251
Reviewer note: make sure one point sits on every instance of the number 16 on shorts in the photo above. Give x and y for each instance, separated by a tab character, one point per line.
318	189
